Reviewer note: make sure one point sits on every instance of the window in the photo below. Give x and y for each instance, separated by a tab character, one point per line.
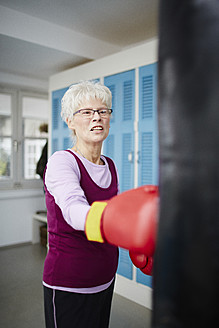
34	128
23	135
5	137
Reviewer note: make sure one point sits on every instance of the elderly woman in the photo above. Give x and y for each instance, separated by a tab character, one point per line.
79	274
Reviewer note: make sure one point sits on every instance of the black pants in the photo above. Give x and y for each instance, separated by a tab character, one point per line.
73	310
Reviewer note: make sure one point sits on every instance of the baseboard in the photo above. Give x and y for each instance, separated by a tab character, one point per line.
15	245
134	291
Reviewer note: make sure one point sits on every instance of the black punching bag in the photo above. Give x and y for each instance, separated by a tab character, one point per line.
186	272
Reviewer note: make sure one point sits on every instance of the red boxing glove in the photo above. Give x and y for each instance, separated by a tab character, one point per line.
141	261
128	220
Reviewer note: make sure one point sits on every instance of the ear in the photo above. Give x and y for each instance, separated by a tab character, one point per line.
70	124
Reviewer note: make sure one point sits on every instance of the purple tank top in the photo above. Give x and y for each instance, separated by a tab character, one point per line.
73	261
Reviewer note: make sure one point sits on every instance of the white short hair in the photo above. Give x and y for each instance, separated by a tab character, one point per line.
85	90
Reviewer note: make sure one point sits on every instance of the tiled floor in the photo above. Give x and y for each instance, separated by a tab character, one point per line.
21	295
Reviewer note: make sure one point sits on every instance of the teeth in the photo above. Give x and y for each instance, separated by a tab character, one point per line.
98	128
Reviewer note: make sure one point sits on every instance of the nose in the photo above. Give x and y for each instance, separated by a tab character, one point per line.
96	117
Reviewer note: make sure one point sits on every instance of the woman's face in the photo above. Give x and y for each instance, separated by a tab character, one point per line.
94	129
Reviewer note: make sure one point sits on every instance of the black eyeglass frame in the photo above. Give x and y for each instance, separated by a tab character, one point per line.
95	110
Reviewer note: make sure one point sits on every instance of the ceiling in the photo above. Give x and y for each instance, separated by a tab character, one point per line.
41	38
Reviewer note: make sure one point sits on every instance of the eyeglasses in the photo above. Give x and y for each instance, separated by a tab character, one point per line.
89	113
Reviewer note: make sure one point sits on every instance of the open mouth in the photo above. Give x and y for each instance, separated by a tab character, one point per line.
97	128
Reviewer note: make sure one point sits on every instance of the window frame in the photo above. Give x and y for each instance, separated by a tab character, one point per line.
17	179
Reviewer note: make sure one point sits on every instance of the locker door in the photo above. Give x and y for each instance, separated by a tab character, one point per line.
120	143
60	131
148	135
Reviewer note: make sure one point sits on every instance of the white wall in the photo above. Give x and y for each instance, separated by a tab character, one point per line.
16	210
24	83
122	61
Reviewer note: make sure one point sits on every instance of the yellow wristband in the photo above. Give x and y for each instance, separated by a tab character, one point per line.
92	226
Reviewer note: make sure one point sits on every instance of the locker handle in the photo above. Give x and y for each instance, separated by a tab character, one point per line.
138	157
130	157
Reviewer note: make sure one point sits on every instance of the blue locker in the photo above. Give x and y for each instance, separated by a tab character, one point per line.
148	136
120	143
60	132
148	129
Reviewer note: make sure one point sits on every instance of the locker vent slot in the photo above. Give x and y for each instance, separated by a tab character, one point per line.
147	97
